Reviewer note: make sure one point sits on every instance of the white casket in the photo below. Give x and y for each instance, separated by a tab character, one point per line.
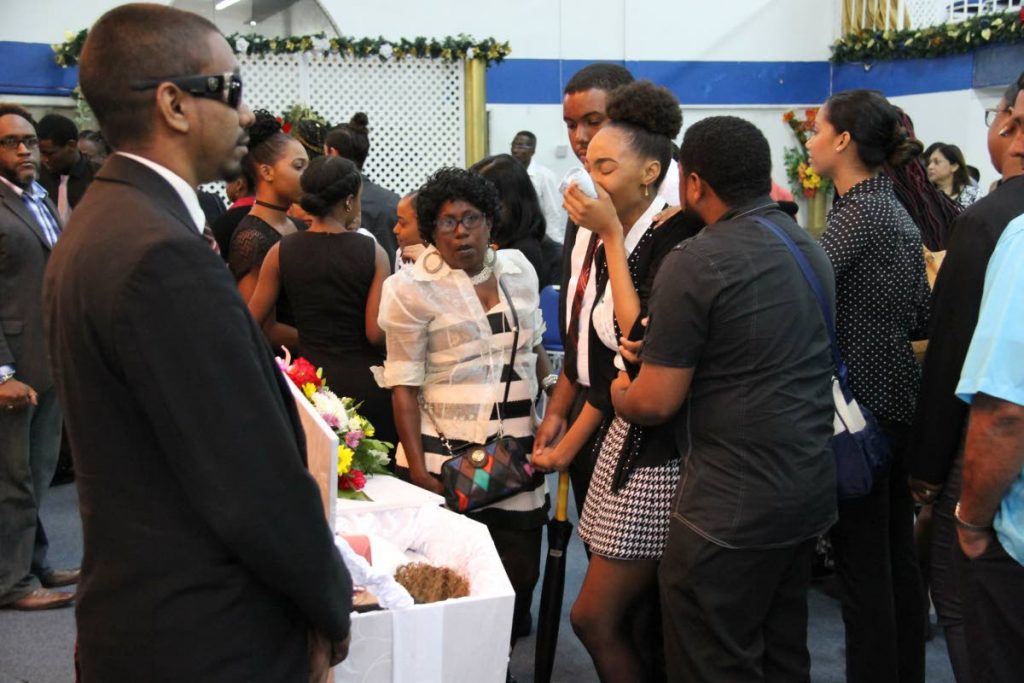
465	639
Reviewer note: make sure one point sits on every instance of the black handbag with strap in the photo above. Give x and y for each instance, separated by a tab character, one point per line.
478	475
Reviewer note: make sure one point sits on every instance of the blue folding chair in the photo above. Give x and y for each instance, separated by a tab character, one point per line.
552	340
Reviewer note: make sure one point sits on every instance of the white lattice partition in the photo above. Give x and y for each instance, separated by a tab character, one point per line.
415	106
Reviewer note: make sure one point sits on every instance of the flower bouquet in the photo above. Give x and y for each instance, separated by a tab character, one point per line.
359	454
802	178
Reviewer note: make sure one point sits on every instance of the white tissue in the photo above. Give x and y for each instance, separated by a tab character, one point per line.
390	594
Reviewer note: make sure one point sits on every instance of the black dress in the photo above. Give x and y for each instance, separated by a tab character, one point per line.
327	277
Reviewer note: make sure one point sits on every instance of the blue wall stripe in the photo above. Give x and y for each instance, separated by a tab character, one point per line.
907	76
29	69
540	81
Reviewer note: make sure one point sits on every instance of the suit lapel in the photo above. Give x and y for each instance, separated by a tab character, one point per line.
16	205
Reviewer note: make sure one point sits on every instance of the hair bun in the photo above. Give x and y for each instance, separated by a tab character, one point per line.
313	204
359	121
903	148
264	127
648	106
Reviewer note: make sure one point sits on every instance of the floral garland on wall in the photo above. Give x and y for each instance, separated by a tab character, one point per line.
932	41
449	49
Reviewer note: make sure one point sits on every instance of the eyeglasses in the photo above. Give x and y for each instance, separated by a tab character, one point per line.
226	88
470	221
991	114
13	142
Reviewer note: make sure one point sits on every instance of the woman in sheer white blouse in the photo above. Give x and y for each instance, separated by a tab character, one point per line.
449	337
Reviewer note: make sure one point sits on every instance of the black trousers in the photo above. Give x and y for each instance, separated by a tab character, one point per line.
734	615
880	585
992	588
945	572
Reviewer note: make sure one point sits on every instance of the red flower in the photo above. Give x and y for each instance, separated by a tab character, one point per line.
287	128
302	373
1022	15
353	481
788	116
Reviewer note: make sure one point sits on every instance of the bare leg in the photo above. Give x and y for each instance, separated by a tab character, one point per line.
603	616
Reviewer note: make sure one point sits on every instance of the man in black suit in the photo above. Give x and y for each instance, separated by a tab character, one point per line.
207	555
67	173
29	414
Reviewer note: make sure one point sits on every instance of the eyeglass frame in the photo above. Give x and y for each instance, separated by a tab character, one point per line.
451	222
12	142
992	113
223	87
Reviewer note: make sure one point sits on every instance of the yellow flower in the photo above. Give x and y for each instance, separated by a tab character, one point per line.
309	389
345	455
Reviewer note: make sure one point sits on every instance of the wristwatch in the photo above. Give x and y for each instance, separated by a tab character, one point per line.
6	373
967	525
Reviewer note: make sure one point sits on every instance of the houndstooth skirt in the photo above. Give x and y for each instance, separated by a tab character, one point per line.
631	524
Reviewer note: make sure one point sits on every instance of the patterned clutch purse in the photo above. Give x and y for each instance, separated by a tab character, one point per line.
481	474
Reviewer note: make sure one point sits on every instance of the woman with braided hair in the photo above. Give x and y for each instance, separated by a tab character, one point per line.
333	276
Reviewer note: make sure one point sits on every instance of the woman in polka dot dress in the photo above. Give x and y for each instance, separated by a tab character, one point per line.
882	301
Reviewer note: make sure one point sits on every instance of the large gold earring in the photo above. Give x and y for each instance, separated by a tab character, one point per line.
646	192
433	268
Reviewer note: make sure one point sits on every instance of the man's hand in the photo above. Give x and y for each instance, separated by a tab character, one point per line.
974	543
15	395
619	387
549	433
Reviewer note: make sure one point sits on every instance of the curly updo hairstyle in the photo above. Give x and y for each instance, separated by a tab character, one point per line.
326	182
875	125
650	116
267	141
452	184
352	139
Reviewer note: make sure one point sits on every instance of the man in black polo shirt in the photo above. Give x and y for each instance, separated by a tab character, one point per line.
737	355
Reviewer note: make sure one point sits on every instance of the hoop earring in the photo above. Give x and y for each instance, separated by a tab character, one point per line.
490	257
433	269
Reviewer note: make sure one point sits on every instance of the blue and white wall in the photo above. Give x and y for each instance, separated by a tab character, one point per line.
751	58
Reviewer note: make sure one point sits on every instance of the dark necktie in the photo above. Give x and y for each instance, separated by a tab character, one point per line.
573	333
210	239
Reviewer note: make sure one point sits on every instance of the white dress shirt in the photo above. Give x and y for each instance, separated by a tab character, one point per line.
546	184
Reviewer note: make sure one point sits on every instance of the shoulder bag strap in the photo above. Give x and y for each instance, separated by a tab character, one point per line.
819	293
515	345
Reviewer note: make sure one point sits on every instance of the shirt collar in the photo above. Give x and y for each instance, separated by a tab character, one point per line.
757	206
876	183
184	190
419	271
243	202
642	224
35	190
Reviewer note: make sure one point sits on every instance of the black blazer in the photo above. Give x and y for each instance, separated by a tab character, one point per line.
207	555
80	177
941	418
24	252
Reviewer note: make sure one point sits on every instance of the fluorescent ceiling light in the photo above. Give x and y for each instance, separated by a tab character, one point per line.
224	4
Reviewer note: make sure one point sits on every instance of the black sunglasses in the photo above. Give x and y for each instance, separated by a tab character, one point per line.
226	88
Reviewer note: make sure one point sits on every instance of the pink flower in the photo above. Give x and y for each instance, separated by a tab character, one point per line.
353	481
353	438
